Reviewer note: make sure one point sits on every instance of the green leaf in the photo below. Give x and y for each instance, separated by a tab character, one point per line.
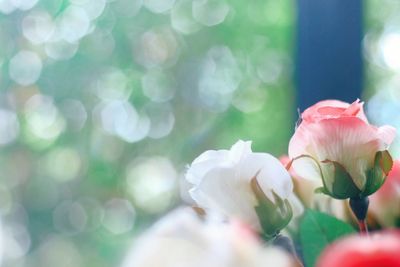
317	230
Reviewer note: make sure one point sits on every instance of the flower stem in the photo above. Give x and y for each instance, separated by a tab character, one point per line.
286	243
363	227
359	206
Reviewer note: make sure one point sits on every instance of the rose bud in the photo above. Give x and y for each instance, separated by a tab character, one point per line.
379	250
238	183
385	203
335	144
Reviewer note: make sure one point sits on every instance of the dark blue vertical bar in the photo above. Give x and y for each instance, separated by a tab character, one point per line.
329	61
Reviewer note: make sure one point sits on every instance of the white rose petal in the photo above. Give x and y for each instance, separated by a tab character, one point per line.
222	181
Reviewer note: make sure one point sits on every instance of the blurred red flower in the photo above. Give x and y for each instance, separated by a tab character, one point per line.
381	249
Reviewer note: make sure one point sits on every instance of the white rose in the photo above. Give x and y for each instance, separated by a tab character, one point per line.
181	239
222	182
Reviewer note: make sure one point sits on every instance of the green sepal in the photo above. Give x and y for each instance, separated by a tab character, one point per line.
377	175
385	161
273	217
321	190
343	185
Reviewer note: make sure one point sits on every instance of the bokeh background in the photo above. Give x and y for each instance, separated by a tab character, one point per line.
104	102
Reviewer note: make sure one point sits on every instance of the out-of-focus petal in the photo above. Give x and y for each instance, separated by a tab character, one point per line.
385	203
181	239
381	249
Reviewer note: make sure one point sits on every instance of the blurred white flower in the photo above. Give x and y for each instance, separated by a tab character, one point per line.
306	192
181	239
239	183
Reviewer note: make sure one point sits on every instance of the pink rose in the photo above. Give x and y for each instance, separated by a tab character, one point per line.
385	203
336	144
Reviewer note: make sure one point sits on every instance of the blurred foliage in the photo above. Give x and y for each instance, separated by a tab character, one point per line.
382	64
318	230
103	103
